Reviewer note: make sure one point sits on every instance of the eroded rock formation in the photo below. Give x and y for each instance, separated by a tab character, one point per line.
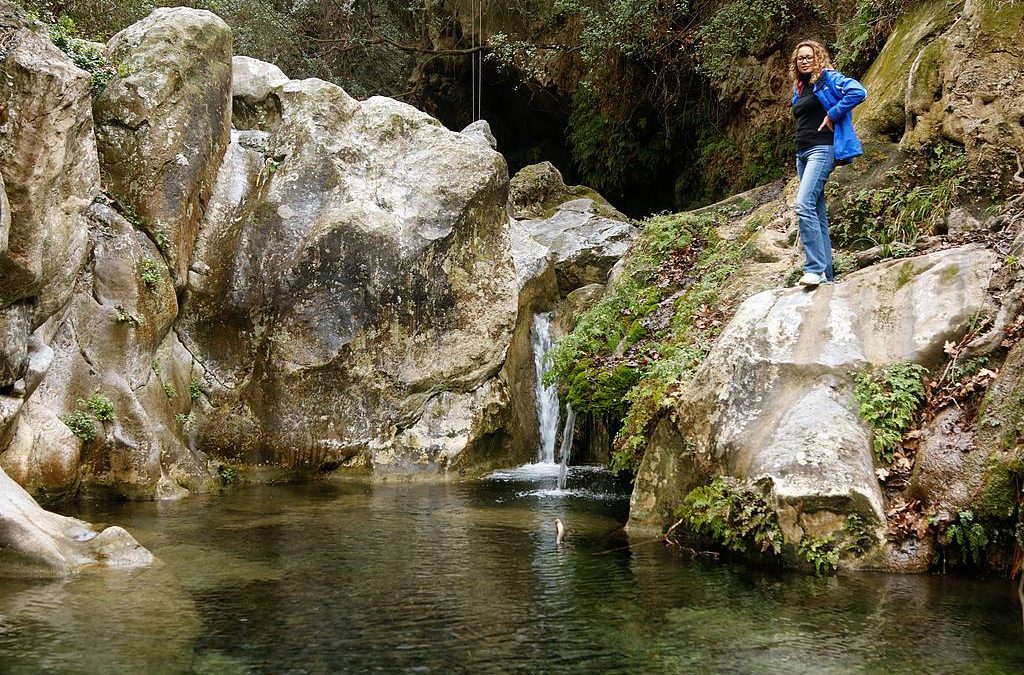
37	543
775	397
352	274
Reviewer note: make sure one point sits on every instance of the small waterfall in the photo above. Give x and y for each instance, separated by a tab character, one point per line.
566	449
547	397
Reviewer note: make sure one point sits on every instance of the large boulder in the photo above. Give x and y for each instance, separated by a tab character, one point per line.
37	543
253	102
49	176
163	123
577	230
585	244
773	399
352	275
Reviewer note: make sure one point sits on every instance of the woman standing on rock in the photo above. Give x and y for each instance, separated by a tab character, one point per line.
822	100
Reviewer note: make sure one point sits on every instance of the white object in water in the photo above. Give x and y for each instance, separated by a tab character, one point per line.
559	532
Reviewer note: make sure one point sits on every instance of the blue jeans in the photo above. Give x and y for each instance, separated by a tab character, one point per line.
813	167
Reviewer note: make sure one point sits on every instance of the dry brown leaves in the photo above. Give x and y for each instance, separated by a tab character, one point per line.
708	318
677	270
1014	332
907	519
897	474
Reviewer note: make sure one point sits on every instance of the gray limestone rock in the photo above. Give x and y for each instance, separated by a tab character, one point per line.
774	397
114	340
163	123
50	174
14	331
573	306
40	544
353	272
585	244
481	131
254	102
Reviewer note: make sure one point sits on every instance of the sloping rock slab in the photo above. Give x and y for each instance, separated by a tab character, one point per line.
585	244
774	398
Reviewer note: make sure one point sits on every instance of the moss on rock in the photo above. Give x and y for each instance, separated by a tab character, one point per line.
882	114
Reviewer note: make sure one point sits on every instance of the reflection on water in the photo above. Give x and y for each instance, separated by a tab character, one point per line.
351	577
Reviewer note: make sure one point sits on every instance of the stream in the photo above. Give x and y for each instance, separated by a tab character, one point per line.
340	577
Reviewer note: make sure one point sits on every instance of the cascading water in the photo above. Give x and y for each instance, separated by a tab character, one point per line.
547	397
548	466
566	449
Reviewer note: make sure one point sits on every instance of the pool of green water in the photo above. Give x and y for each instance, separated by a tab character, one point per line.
466	578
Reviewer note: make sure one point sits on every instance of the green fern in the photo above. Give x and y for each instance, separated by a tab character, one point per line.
820	552
889	402
733	514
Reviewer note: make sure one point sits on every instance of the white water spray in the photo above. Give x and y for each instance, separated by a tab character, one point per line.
547	397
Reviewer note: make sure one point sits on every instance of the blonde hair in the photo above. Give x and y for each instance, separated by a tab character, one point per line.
821	61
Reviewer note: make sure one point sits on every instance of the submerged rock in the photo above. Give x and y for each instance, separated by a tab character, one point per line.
774	397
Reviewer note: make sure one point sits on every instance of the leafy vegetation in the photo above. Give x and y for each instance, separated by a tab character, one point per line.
151	272
859	538
195	389
916	201
631	353
733	514
821	552
735	30
967	537
169	390
81	425
228	475
186	421
660	82
122	315
87	56
81	421
100	406
863	35
889	402
342	42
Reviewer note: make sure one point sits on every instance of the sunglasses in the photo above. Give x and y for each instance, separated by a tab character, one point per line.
804	58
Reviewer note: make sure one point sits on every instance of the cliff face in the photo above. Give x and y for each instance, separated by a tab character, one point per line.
326	282
353	270
210	267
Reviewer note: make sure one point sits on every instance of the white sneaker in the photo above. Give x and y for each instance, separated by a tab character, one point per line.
812	279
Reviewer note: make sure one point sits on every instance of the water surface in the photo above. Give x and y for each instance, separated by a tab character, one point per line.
393	578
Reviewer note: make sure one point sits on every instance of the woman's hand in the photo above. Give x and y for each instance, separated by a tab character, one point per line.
826	123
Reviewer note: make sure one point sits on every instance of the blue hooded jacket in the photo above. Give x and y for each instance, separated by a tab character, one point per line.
838	95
